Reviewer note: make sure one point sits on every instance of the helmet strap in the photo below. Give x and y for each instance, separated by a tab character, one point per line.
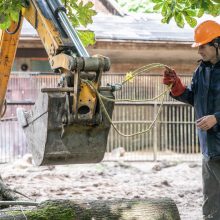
217	53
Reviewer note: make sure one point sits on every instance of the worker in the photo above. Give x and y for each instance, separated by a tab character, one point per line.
204	95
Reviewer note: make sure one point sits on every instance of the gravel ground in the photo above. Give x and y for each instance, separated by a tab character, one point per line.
109	180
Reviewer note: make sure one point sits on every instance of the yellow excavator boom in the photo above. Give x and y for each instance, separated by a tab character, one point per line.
8	47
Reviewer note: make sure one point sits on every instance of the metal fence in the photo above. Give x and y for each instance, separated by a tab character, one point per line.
173	136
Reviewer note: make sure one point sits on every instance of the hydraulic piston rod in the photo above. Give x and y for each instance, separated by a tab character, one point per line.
60	12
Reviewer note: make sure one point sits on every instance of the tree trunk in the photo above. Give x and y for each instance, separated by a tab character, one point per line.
142	209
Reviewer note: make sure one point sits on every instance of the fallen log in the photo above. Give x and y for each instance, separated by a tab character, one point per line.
138	209
5	192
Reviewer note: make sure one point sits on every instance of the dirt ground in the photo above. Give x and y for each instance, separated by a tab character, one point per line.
180	181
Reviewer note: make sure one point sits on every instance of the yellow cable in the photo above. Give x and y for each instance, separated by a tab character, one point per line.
133	74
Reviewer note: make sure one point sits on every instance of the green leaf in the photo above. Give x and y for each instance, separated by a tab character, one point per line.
157	1
180	1
178	6
14	16
6	22
191	12
188	3
213	9
167	19
179	20
218	9
9	12
164	10
84	13
157	6
200	12
87	37
164	20
81	14
191	21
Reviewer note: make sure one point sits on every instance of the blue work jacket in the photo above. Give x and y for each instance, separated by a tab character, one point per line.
204	95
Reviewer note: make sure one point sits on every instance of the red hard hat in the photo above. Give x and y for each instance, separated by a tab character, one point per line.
206	32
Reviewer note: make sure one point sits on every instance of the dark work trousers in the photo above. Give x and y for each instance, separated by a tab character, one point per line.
211	189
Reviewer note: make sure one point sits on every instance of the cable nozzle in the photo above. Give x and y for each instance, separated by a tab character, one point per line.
115	87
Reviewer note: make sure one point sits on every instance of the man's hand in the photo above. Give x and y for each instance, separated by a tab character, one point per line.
170	77
206	122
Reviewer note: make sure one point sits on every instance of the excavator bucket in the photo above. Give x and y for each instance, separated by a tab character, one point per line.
52	142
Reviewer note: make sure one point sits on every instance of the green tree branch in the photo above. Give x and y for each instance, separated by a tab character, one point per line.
182	11
80	14
186	11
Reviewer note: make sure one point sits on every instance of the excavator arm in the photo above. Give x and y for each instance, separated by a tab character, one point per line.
66	125
8	46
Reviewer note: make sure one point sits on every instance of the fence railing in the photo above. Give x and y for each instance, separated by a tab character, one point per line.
173	135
